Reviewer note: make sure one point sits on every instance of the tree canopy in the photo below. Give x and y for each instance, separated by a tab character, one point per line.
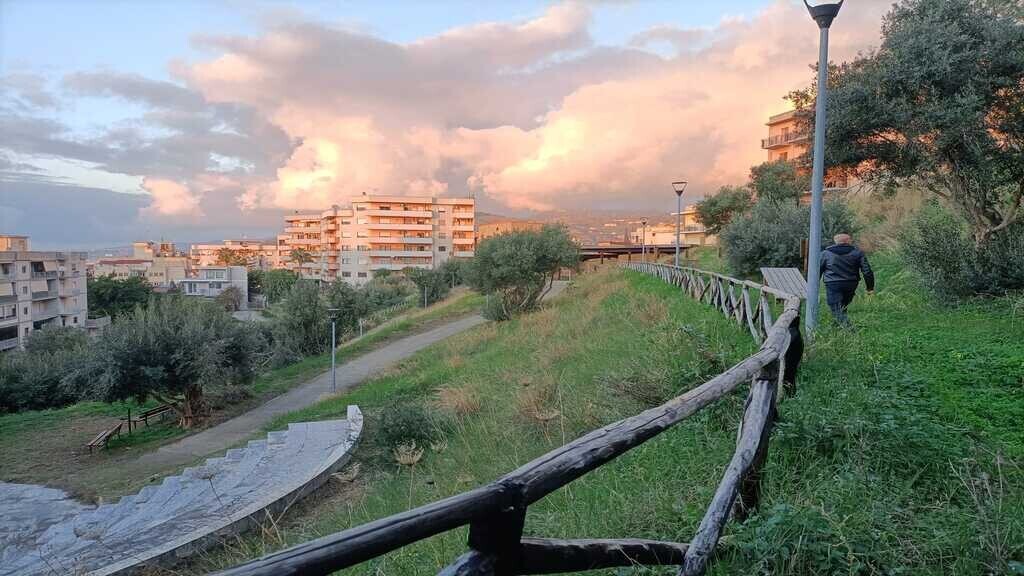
715	212
517	268
228	257
941	101
108	296
778	181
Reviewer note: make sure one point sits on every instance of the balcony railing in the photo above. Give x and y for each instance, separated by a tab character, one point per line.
37	274
9	343
782	139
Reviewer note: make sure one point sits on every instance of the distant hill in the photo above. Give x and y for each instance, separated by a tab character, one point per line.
488	218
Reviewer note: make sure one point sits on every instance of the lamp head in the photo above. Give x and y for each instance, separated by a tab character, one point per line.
823	12
679	187
643	221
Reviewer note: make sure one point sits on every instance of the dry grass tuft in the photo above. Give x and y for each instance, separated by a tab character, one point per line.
408	454
458	400
455	361
651	309
535	402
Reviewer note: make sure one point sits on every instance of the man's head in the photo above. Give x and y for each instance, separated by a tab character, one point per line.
842	238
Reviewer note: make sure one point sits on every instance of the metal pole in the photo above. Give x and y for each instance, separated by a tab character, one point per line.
817	185
643	242
679	220
334	383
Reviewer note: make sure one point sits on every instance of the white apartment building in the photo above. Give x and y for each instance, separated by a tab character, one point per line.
39	289
159	263
379	233
211	281
259	255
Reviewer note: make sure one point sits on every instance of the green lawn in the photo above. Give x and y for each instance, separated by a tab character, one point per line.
900	454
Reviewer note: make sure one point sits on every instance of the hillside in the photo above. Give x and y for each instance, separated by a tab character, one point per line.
901	453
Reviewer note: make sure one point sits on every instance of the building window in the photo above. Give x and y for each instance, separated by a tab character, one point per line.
362	274
346	247
363	221
24	311
442	248
346	274
24	289
362	235
74	320
346	234
442	235
23	269
346	260
346	222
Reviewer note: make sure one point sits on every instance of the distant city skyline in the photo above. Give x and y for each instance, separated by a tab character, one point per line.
205	120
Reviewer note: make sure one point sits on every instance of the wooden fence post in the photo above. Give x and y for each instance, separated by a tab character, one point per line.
498	536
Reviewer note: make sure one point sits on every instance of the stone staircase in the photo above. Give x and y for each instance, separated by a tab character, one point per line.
166	522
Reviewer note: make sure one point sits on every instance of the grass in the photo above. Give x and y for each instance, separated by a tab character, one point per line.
46	446
900	454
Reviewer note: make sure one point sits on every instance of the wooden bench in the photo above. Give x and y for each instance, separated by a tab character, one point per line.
103	438
146	415
789	280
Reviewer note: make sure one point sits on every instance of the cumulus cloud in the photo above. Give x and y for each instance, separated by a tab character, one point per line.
526	115
170	198
532	114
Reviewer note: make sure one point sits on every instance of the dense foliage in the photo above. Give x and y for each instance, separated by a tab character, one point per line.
940	102
171	350
108	296
33	379
770	234
778	181
272	284
517	268
716	211
938	248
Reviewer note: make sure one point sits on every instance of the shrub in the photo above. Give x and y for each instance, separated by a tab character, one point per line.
301	322
517	268
937	245
431	285
770	234
405	423
34	379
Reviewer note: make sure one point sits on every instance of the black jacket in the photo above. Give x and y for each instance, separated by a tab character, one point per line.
845	263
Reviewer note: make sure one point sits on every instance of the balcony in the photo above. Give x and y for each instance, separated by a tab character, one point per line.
42	274
300	229
462	227
397	266
44	295
463	253
9	343
400	253
400	240
783	139
463	240
413	227
401	213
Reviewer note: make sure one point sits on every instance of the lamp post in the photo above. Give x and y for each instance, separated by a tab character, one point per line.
334	317
643	240
823	14
679	187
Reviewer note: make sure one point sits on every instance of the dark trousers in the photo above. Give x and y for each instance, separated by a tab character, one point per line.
839	296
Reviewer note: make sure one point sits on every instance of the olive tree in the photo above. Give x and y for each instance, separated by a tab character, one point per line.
716	211
941	102
171	351
516	269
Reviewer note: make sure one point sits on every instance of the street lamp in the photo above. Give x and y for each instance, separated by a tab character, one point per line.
679	187
334	317
823	14
643	240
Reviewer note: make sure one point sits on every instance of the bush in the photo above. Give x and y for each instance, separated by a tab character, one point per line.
770	234
431	285
34	379
405	422
937	245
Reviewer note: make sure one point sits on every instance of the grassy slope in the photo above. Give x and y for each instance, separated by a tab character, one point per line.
30	441
901	454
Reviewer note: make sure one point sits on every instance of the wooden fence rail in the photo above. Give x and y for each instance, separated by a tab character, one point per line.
496	512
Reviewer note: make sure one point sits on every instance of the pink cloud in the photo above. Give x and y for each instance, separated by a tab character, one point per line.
170	198
529	114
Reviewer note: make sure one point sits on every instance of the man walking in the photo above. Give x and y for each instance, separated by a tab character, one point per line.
841	267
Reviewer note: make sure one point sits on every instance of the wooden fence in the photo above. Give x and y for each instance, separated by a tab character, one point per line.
496	512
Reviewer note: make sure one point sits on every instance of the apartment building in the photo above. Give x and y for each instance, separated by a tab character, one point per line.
789	140
258	254
39	289
211	281
159	263
378	233
691	232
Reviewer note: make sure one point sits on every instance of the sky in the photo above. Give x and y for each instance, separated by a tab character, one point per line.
203	120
